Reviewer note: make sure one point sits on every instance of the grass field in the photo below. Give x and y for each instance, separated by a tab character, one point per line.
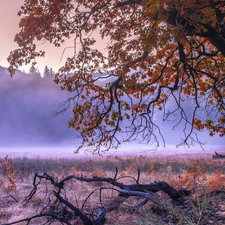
203	176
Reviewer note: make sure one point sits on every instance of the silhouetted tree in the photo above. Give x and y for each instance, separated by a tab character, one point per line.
46	72
51	72
34	71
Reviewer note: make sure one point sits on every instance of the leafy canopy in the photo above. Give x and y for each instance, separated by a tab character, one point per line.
158	52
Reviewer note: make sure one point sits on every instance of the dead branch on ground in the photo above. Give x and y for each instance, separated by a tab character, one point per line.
218	156
64	211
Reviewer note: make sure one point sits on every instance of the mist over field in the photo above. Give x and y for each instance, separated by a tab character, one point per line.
27	123
27	107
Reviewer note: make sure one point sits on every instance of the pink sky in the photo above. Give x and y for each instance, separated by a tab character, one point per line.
9	26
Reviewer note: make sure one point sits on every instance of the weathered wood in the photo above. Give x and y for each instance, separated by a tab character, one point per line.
218	156
124	190
153	187
76	211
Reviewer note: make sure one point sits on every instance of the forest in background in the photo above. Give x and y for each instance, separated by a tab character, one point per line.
27	116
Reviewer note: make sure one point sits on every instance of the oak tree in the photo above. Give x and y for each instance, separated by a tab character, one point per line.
158	52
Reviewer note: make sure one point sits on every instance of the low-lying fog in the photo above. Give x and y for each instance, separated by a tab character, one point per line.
28	126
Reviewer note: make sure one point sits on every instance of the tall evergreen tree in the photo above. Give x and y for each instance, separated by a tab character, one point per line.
46	72
34	71
51	72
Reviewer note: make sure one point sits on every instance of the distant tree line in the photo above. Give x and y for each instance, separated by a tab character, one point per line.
35	71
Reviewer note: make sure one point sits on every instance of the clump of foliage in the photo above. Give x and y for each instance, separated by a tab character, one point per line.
6	169
158	52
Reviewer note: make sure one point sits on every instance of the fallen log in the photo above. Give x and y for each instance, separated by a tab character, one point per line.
124	192
218	156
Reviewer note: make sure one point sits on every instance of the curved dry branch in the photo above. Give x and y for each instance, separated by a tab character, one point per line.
70	212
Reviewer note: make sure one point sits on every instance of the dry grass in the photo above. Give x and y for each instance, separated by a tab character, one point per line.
202	176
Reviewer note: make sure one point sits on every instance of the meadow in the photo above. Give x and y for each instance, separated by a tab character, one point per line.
203	176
